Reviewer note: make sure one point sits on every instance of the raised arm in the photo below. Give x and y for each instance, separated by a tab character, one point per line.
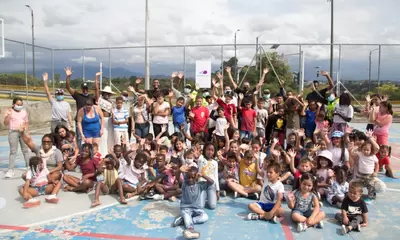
45	77
330	81
221	83
175	91
97	86
27	140
68	73
137	83
228	70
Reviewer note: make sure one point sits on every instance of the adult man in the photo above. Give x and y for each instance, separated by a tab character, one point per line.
60	109
80	98
152	93
320	95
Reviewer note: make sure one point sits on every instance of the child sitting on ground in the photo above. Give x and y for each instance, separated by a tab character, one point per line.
37	183
191	202
354	213
269	207
339	187
166	183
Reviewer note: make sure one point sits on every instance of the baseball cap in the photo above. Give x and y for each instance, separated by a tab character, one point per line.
337	134
188	86
84	85
59	91
266	91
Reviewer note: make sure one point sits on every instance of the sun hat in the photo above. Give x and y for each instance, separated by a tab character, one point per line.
326	154
107	89
337	134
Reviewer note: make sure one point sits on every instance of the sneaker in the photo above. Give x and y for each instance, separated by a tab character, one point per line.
150	195
253	196
275	220
52	199
320	225
235	195
190	233
158	197
253	216
10	173
178	221
321	204
222	193
359	227
301	227
31	203
344	230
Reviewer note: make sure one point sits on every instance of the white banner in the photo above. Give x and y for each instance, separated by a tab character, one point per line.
203	74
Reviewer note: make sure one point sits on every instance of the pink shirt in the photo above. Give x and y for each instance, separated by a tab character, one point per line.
383	130
17	119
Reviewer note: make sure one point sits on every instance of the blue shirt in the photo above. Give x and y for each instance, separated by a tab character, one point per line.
178	115
310	120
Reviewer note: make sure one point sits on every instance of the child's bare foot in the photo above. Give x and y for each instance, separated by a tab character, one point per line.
52	199
129	195
68	188
31	203
172	199
123	201
95	203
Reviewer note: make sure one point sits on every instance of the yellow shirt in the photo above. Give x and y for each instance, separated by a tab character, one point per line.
110	176
247	174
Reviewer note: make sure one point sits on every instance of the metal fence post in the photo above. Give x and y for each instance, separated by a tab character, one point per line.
379	66
339	72
184	66
83	64
52	67
26	73
109	64
301	68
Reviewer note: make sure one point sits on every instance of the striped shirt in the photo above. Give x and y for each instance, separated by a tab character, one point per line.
121	115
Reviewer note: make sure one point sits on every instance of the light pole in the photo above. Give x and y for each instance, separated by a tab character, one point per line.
237	80
33	44
369	68
331	57
258	57
146	51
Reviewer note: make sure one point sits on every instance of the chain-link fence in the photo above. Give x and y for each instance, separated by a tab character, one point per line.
357	68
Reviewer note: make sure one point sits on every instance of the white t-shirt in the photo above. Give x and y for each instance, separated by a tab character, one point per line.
160	119
133	174
337	154
262	116
210	107
366	164
345	111
39	179
220	126
270	191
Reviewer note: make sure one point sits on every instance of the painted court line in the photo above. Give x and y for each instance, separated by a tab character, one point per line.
77	234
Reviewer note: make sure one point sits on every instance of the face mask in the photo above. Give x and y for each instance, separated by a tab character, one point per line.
267	96
85	94
189	161
18	108
186	90
60	97
331	98
228	92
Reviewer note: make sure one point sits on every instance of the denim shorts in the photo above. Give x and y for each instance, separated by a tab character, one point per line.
306	214
129	183
91	134
266	207
41	190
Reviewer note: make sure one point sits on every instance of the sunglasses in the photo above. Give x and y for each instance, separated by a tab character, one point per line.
47	142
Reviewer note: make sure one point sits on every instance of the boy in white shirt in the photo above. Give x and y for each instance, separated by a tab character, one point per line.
120	120
269	207
262	117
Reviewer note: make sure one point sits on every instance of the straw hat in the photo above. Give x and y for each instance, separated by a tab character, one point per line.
107	89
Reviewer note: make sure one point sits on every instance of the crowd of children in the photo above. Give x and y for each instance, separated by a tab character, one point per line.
224	142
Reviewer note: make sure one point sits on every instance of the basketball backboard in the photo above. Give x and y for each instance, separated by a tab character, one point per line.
2	47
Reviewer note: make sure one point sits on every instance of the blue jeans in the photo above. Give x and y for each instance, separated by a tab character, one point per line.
246	134
177	127
209	196
142	129
78	135
193	216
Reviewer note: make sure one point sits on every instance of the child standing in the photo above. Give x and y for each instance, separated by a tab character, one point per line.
178	112
191	202
249	118
209	167
37	183
120	120
14	118
324	172
301	202
354	213
269	207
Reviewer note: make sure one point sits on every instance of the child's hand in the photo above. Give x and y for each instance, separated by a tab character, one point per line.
310	221
275	141
268	216
241	96
191	115
369	133
142	141
291	153
164	128
218	196
184	168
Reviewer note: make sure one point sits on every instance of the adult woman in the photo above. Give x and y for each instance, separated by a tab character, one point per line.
13	119
342	113
106	106
51	156
90	122
139	113
63	137
161	110
382	123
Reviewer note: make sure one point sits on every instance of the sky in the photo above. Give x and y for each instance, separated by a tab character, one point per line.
102	23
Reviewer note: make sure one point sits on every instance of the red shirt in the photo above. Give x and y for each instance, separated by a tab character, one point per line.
97	157
88	167
201	114
229	109
248	120
383	161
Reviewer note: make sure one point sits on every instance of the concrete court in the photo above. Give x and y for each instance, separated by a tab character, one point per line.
73	219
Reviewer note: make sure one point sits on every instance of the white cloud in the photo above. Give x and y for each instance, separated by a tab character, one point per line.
87	59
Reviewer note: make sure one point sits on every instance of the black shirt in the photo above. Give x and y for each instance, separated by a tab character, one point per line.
318	96
247	95
354	208
152	93
81	100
